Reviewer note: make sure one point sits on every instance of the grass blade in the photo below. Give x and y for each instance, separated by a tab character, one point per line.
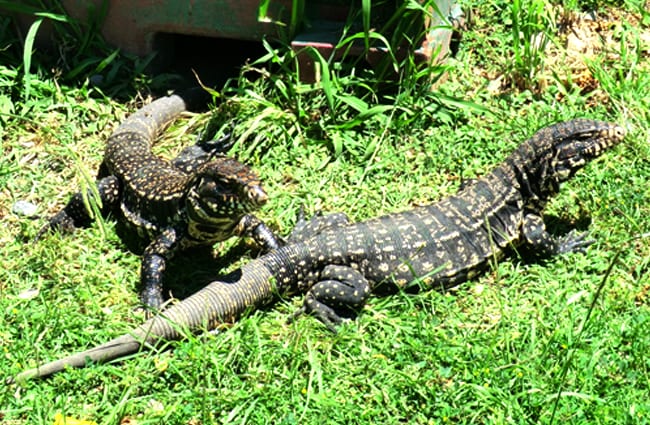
365	16
585	322
27	57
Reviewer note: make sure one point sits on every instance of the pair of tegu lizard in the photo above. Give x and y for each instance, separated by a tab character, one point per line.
202	197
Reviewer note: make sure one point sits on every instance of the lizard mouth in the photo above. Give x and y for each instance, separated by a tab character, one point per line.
257	196
591	145
221	212
574	154
230	204
237	194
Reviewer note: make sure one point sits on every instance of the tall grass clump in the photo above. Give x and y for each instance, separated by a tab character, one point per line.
352	92
531	31
75	53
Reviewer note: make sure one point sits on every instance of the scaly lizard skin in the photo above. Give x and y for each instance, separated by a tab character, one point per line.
338	265
199	198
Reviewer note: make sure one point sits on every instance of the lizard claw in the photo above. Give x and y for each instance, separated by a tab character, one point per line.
61	222
151	302
218	146
320	311
299	312
574	242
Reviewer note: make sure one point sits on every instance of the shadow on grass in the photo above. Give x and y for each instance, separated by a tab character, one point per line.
194	269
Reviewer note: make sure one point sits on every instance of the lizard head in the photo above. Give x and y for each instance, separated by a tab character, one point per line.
555	153
588	141
224	188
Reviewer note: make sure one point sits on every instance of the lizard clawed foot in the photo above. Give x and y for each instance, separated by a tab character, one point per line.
61	222
151	302
574	242
218	146
340	287
150	307
320	311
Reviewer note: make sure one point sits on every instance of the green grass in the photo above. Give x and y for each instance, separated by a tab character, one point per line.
560	341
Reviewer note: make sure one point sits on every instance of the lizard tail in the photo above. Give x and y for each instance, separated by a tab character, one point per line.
218	303
121	346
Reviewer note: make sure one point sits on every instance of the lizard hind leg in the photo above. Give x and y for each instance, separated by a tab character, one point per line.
318	223
192	157
75	214
340	288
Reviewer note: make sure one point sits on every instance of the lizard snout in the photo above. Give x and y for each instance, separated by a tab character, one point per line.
257	195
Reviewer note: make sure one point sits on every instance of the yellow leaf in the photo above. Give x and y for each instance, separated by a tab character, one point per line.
60	420
161	365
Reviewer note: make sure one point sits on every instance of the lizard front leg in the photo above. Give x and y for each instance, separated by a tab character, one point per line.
263	236
545	244
154	260
339	287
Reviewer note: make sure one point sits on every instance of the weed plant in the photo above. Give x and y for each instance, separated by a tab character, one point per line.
557	341
531	30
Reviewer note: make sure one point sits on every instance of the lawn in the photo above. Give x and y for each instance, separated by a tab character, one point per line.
562	340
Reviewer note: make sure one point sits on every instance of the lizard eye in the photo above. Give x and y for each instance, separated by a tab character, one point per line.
211	188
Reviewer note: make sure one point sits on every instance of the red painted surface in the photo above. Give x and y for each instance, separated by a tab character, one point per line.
132	24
